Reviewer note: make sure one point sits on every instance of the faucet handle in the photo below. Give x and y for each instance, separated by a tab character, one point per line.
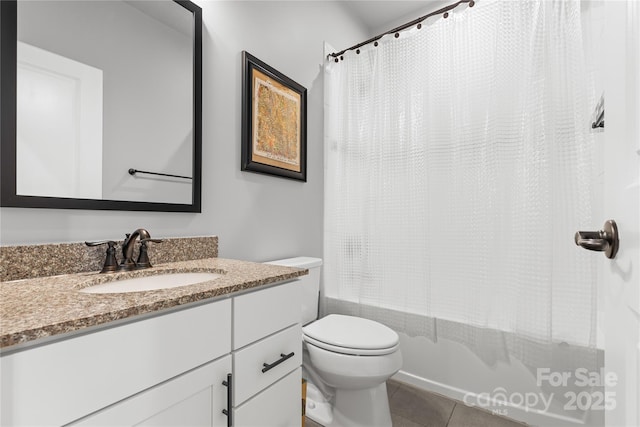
110	263
143	258
143	241
101	242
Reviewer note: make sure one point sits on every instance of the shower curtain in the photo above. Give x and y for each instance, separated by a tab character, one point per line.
458	166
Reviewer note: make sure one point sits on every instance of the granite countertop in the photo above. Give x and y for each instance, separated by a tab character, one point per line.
34	309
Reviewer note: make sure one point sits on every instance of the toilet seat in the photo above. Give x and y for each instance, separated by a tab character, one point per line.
350	351
351	335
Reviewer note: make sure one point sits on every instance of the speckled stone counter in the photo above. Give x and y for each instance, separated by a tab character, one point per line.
29	261
33	309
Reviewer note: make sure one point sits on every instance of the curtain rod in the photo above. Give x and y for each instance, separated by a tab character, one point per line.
396	30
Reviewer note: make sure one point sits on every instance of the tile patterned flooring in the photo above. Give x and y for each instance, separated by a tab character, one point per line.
413	407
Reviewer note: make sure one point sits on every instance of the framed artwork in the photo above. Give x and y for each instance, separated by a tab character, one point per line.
274	121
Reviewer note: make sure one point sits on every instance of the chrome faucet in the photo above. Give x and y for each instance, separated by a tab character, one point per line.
127	248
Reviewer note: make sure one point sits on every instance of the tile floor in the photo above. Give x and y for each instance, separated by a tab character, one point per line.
413	407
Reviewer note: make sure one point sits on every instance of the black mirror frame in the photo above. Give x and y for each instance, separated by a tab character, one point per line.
8	196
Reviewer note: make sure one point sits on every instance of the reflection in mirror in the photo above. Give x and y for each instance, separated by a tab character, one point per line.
59	130
103	87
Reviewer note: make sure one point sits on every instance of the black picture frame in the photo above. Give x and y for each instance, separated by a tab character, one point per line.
274	140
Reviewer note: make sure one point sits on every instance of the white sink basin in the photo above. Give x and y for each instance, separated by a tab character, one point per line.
150	283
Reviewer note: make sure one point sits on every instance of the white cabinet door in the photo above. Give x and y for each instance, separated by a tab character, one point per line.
71	378
277	406
194	399
193	411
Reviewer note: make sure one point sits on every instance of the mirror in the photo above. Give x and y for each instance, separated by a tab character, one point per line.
101	104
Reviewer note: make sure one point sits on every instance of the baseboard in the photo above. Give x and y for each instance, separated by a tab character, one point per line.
517	413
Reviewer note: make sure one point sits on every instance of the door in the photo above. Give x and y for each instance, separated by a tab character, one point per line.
621	203
64	97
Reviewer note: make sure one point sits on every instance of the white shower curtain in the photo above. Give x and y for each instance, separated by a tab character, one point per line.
458	166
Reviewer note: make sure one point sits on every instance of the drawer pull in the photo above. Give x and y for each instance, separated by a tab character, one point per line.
227	411
283	357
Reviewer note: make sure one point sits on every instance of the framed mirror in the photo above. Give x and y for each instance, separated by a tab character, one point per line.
101	104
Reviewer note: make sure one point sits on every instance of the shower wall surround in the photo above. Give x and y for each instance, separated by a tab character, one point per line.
30	261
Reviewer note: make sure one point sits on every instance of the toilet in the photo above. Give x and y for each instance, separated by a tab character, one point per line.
347	360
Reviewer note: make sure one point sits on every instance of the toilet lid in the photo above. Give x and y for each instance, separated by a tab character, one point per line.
351	335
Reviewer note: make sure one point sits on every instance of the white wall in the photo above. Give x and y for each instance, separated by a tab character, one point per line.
256	217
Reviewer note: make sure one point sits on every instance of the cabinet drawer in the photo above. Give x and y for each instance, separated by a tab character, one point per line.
248	363
261	313
69	379
278	405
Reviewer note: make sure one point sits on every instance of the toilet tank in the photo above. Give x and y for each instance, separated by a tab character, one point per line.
310	284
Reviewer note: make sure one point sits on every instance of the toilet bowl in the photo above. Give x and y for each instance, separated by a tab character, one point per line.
348	360
351	352
354	357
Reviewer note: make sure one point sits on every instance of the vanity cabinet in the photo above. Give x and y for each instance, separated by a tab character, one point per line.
267	355
167	369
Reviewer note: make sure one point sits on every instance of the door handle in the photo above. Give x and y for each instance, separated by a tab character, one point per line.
605	240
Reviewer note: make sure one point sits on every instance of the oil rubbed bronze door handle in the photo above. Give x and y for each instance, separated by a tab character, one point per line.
283	357
605	240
